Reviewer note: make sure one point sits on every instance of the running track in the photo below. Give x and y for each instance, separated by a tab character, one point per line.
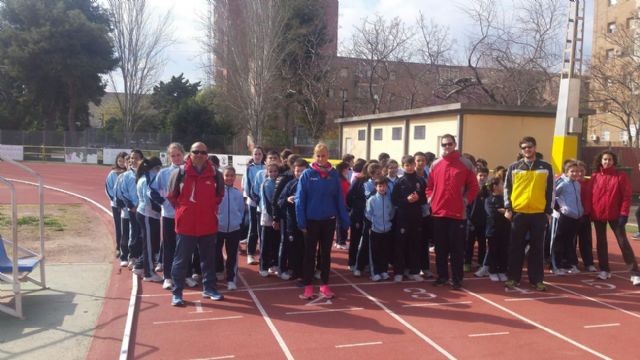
578	317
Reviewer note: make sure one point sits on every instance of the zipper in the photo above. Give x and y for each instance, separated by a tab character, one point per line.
228	209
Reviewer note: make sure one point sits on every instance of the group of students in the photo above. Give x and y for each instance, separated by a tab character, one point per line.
293	211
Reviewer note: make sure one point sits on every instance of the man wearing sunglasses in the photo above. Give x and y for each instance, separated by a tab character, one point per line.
451	186
196	201
528	192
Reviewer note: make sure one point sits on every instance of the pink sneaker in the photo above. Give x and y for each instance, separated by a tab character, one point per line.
308	293
326	292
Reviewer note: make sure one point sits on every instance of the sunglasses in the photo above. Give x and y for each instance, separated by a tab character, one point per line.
199	152
525	147
447	144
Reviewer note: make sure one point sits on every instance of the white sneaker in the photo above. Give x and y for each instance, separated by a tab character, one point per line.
138	272
559	272
397	278
167	284
196	277
385	276
432	249
244	241
273	270
494	277
318	274
574	270
251	260
427	274
604	275
285	276
263	273
635	280
231	285
220	276
482	272
124	263
416	277
190	282
342	247
591	268
131	263
503	276
159	267
351	268
376	277
153	278
357	273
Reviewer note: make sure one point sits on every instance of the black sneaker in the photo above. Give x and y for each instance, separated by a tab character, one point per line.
440	282
456	285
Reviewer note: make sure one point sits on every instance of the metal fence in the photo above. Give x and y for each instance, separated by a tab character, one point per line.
99	138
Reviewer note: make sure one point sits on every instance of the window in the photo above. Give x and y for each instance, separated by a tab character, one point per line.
624	136
362	135
329	93
344	94
611	27
344	72
377	134
610	54
396	133
419	132
631	23
605	136
363	92
613	2
392	75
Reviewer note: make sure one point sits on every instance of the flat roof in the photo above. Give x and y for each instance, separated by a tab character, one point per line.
460	108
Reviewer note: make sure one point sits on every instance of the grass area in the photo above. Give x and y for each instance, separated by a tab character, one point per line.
51	222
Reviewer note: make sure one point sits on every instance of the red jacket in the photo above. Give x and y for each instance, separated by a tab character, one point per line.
610	194
585	196
197	205
451	186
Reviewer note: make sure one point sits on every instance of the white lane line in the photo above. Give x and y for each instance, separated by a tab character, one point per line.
489	334
621	293
601	326
359	344
198	306
267	319
537	298
398	318
323	311
126	337
217	357
531	322
438	304
196	320
594	300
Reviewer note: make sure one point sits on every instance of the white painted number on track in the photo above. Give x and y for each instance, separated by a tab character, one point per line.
418	293
599	284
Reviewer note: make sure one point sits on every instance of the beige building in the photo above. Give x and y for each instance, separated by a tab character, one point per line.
610	17
490	132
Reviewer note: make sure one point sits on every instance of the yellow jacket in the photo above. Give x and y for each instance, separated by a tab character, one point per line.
529	188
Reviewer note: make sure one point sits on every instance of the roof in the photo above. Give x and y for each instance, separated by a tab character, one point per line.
460	108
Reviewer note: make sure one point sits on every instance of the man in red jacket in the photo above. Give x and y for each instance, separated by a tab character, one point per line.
451	186
196	201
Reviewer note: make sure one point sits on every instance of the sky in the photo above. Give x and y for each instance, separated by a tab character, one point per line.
186	55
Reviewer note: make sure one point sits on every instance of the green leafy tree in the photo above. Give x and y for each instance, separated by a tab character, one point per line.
167	97
57	50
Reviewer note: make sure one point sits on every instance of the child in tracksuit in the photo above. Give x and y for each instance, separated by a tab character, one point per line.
294	236
374	171
356	204
269	241
230	212
476	227
498	230
408	196
148	216
380	212
563	256
584	236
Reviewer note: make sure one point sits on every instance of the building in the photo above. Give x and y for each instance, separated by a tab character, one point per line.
610	17
487	131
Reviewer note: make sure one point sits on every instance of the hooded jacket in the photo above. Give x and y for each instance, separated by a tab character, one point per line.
529	187
320	198
231	210
568	197
197	203
452	185
610	194
380	212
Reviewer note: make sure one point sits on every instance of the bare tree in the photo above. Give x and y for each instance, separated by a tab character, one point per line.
140	40
615	84
377	43
510	61
249	45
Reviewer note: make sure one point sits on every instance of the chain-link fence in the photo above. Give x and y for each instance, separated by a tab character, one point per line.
99	138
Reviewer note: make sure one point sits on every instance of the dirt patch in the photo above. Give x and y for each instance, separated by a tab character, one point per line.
73	233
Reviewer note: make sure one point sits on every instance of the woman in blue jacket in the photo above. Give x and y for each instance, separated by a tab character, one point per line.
253	167
319	201
116	209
